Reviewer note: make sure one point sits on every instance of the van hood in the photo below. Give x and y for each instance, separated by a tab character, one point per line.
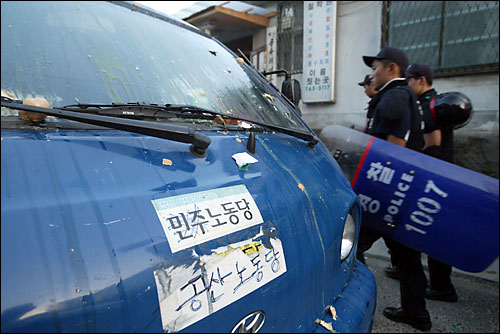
86	217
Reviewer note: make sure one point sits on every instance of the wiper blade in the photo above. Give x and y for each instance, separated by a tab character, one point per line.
181	111
310	138
178	133
126	109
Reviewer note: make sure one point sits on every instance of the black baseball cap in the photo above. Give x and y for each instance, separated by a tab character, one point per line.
390	53
417	70
367	81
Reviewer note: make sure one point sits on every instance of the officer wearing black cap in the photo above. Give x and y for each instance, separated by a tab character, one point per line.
438	141
370	92
366	84
397	119
394	123
439	144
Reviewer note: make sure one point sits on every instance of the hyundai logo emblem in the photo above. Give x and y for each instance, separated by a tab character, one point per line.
251	323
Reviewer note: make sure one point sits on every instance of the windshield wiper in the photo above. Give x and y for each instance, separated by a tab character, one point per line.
181	111
178	133
127	110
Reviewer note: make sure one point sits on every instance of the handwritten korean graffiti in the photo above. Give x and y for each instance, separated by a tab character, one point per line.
187	295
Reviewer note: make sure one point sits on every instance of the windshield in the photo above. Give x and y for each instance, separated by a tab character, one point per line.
98	52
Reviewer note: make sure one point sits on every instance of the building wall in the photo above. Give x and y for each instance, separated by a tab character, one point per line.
359	33
477	144
259	38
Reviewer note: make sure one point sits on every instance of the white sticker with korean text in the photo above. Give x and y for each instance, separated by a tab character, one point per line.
192	219
189	293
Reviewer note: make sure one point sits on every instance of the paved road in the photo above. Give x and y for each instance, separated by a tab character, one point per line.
475	312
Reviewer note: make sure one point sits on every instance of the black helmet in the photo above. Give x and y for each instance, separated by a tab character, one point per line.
451	110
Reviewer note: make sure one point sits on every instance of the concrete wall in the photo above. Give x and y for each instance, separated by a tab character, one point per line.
476	144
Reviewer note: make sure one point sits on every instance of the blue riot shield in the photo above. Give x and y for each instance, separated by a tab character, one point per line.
441	209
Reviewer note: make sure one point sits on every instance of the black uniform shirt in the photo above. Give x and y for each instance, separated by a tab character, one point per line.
394	112
446	151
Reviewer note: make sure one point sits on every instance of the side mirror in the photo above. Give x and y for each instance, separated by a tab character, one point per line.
290	88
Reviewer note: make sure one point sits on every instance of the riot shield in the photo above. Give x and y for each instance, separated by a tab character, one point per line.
441	209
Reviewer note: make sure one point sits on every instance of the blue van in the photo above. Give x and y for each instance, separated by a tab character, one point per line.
153	181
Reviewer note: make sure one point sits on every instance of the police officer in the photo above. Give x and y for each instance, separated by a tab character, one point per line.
396	118
390	271
439	144
370	92
367	85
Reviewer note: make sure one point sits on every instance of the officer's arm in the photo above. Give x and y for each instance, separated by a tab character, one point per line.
432	139
396	140
433	144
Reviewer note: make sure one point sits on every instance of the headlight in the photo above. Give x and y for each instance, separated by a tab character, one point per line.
348	237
